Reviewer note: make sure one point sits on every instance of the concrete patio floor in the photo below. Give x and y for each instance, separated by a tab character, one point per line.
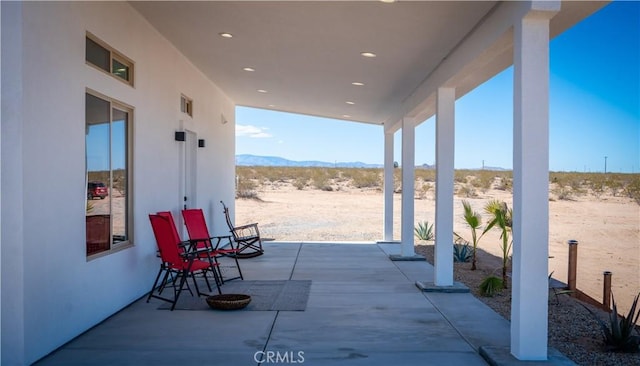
363	309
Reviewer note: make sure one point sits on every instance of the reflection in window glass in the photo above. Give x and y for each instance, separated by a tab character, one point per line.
97	55
120	70
98	177
119	171
106	147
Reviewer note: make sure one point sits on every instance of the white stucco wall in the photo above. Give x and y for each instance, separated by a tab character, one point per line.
63	293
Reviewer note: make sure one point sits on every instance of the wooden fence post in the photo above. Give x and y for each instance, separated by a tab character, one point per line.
606	291
573	266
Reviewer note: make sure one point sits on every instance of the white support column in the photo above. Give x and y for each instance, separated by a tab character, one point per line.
13	347
531	184
388	186
445	154
408	186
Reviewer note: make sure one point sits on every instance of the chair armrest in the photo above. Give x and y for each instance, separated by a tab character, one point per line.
246	226
189	250
219	240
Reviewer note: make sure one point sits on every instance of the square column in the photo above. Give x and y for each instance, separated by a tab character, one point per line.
445	154
13	331
408	186
531	184
388	186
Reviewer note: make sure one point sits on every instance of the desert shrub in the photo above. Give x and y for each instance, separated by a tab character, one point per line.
366	178
246	188
321	179
504	183
632	189
563	193
427	175
467	190
460	176
397	180
424	231
422	190
490	286
614	185
483	180
598	187
300	183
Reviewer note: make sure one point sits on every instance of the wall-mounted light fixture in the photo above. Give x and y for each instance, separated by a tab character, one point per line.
200	142
180	136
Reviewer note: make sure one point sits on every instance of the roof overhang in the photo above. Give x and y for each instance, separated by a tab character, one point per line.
307	54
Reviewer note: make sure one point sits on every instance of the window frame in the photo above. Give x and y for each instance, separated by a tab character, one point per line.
129	207
113	55
186	105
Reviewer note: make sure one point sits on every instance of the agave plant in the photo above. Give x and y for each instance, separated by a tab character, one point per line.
424	231
502	218
462	252
618	335
473	220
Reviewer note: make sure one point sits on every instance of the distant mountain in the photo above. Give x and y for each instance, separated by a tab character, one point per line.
496	168
254	160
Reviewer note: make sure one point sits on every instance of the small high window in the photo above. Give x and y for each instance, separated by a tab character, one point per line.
107	59
186	105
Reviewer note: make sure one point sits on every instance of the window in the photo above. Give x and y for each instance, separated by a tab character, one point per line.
186	105
105	58
108	172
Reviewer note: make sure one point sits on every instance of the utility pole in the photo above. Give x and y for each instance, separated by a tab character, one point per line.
605	165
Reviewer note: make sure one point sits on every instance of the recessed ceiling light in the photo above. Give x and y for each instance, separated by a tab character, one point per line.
249	69
388	1
225	35
261	91
357	83
346	115
271	105
368	54
350	102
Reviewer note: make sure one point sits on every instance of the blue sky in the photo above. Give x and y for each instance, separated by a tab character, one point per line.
594	111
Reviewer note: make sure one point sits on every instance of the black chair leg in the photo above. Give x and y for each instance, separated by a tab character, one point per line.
155	283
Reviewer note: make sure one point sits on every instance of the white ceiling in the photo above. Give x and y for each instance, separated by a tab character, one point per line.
307	54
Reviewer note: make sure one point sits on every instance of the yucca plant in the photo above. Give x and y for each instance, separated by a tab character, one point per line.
618	335
502	219
474	221
424	231
490	286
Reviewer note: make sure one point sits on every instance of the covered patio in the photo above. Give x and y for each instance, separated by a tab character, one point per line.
392	65
363	309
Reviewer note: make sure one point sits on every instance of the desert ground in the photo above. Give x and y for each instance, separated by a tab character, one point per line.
607	226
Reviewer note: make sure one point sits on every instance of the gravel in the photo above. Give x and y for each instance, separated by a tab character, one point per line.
572	329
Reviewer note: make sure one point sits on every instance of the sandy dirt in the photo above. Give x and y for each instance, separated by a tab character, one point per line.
607	228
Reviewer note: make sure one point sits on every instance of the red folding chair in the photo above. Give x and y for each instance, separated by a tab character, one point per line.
200	250
199	234
179	260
